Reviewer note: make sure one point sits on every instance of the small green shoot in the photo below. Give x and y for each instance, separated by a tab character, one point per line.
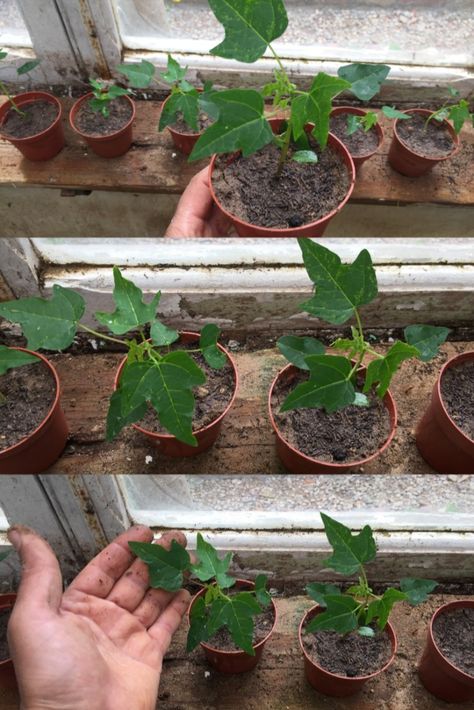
457	113
25	68
370	119
104	93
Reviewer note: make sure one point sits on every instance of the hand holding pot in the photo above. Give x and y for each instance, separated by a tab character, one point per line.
101	643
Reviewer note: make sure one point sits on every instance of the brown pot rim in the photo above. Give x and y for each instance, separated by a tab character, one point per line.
337	110
181	133
448	606
7	600
426	112
30	437
32	97
88	136
390	632
393	427
166	436
244	583
334	142
452	362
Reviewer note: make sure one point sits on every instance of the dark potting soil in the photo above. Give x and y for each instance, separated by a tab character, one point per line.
457	391
30	391
454	635
350	434
359	143
212	398
432	140
93	123
305	192
350	655
262	625
4	650
40	115
180	125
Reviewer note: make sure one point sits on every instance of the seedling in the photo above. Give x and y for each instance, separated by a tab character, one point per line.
153	374
219	607
458	113
370	119
104	93
9	359
358	608
25	68
339	291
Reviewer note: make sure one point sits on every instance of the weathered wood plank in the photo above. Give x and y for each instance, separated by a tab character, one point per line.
152	165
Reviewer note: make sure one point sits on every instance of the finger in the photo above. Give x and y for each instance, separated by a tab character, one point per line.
194	208
130	589
100	575
169	620
41	581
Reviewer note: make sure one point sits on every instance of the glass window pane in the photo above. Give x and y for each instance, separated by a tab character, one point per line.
13	32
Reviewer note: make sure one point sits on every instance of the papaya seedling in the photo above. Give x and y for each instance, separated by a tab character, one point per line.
458	113
154	374
220	606
370	119
104	93
339	290
358	608
25	68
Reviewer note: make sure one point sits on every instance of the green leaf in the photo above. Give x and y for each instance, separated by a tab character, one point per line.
115	91
162	335
349	551
383	369
369	120
47	323
353	123
238	617
174	73
250	26
139	75
319	592
208	344
179	103
391	112
380	609
263	596
3	54
10	358
340	288
296	349
426	338
365	79
241	125
318	105
165	567
329	385
130	311
417	590
198	629
340	615
210	566
28	66
458	114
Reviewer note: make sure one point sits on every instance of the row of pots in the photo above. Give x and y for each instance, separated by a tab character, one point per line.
440	441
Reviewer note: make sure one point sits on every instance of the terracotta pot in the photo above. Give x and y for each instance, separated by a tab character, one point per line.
359	159
184	142
7	671
111	145
235	661
298	462
439	440
328	683
313	229
168	444
405	161
41	146
44	445
439	675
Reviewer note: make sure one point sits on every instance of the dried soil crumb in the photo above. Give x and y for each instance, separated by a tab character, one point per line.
360	142
431	140
93	123
454	635
40	115
457	391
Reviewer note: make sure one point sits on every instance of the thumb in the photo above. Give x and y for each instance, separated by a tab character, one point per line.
41	580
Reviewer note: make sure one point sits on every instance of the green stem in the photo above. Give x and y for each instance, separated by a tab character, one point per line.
284	152
10	98
101	336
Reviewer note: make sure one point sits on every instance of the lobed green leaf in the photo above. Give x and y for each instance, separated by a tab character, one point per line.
380	609
318	592
208	344
350	551
162	335
131	311
11	358
186	104
340	615
383	369
427	339
365	79
416	590
296	349
165	567
139	75
210	566
329	385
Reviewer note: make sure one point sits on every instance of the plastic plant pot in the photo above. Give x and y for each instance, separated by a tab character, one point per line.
41	146
168	444
328	683
109	146
439	675
7	671
440	441
40	449
184	142
312	229
358	160
296	461
231	662
406	161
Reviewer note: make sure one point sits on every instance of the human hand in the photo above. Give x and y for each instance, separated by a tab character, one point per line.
100	644
196	214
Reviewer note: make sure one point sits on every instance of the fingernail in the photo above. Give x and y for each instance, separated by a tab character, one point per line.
15	538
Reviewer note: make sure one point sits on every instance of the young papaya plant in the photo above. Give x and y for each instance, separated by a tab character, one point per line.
457	113
220	606
154	374
358	608
339	291
370	119
104	93
25	68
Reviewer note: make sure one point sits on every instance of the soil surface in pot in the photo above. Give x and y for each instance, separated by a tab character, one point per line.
457	390
262	625
212	398
453	633
180	125
93	123
305	192
431	140
4	650
350	655
40	115
30	391
359	143
350	434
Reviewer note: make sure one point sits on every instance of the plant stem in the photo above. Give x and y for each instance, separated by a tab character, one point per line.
10	98
284	152
101	336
